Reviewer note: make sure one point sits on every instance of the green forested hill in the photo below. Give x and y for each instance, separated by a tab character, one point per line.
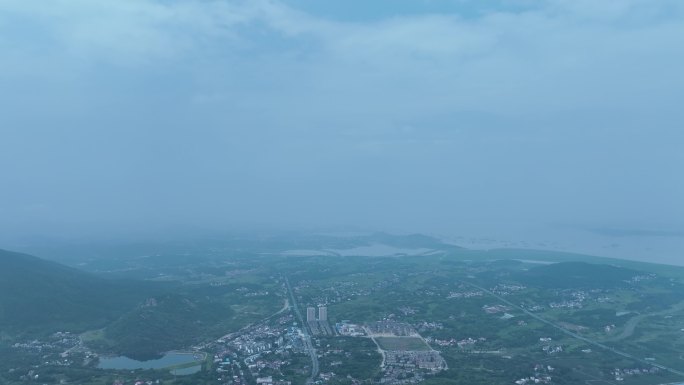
39	296
140	319
567	275
164	323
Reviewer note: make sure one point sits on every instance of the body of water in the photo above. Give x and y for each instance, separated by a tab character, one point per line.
169	359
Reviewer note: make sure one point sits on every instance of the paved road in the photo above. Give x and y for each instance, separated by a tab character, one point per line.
575	335
307	336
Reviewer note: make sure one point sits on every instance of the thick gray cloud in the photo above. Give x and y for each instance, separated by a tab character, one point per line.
441	118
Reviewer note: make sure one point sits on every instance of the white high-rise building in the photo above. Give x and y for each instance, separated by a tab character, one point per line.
322	313
310	314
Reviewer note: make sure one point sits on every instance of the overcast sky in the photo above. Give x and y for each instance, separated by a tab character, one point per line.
401	115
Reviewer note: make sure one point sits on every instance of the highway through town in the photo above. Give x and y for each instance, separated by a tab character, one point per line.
307	337
575	335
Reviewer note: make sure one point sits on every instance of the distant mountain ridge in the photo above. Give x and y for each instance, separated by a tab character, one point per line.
93	256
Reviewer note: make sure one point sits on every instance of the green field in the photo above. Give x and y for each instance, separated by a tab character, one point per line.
402	343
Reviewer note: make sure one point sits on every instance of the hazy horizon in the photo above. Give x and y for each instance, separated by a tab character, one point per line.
549	121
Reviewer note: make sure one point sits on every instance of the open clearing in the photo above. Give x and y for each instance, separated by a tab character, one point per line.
402	343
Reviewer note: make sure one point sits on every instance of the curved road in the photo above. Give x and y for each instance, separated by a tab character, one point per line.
307	336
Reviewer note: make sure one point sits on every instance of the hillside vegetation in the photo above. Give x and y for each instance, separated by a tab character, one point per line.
41	297
164	323
567	275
